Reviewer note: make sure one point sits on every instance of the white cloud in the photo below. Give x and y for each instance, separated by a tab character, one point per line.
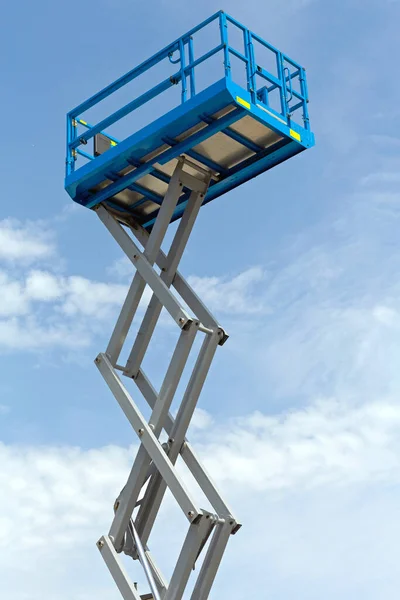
326	443
201	420
60	500
43	286
291	478
41	310
37	298
12	298
91	298
122	269
381	178
24	242
236	295
29	334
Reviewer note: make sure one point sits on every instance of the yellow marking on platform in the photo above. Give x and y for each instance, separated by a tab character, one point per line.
295	135
243	102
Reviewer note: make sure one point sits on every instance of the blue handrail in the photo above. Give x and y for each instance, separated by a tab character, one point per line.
282	81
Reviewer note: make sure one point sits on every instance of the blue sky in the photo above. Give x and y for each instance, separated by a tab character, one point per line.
300	419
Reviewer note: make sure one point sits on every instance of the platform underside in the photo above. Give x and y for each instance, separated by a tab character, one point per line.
232	143
219	149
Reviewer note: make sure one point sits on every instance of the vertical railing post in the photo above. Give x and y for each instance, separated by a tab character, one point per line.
191	72
282	88
304	93
70	154
247	55
251	65
183	66
223	26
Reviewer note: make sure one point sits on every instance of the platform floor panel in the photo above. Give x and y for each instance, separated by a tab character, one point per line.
234	143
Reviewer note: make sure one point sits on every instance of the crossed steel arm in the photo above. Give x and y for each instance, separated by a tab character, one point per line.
154	465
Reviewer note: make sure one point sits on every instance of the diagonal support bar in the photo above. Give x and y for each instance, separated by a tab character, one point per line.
151	251
117	571
197	535
144	268
188	455
161	406
212	561
156	488
148	439
186	292
167	276
153	471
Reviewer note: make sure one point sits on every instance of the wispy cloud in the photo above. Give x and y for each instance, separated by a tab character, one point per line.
63	497
41	309
25	242
234	295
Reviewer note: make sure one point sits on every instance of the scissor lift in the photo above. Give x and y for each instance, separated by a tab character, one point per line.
214	140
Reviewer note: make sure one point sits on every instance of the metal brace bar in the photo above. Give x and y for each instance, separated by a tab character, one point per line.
130	493
149	441
212	561
151	252
154	308
156	488
172	379
180	284
145	564
117	571
145	269
158	577
206	484
188	455
153	469
196	536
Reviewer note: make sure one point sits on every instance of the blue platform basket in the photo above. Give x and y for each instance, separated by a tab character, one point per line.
235	109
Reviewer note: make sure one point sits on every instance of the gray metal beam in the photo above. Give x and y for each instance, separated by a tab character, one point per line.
191	460
195	539
153	470
137	477
152	249
144	268
116	569
148	439
212	561
156	489
167	276
186	292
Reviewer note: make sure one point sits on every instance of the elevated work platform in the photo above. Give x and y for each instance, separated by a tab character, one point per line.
190	138
244	121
